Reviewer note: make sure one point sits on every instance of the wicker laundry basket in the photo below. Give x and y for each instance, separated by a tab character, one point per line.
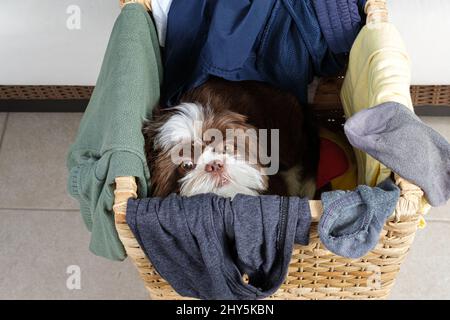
314	272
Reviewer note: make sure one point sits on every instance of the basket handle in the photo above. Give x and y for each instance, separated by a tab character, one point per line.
146	3
376	11
126	188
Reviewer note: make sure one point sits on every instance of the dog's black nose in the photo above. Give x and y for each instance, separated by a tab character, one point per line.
214	166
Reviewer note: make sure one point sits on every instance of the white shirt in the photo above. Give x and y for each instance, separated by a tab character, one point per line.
160	11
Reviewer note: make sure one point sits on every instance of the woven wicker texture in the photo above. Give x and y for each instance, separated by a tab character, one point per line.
326	97
314	272
45	92
430	95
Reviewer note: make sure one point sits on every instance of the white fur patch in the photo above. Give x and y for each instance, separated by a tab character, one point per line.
184	125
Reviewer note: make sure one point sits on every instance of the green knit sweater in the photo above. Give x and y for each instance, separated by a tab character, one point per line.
109	141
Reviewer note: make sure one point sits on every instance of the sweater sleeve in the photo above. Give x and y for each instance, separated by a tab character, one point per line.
109	142
378	71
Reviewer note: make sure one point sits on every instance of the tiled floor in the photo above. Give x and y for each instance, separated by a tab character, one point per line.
42	234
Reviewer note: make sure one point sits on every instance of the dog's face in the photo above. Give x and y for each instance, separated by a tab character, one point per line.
197	150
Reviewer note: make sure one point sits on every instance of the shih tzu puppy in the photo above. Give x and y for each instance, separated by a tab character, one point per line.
233	137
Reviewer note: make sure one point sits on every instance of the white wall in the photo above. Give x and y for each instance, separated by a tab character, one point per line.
425	28
37	47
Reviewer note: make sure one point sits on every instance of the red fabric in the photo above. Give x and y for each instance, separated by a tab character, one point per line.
332	164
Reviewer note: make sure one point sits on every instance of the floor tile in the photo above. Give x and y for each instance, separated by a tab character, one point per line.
440	124
38	248
33	170
439	213
424	274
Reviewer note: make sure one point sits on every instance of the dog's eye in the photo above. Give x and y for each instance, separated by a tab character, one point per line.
187	165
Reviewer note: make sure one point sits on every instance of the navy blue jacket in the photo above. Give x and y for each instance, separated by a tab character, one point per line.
280	42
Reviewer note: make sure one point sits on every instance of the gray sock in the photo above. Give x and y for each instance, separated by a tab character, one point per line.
352	220
397	138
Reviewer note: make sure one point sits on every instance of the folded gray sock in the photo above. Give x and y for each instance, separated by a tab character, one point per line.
396	137
352	220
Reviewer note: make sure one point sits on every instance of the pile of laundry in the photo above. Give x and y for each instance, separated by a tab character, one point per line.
282	42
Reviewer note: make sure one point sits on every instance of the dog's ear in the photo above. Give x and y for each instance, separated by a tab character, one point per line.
151	128
163	172
164	175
